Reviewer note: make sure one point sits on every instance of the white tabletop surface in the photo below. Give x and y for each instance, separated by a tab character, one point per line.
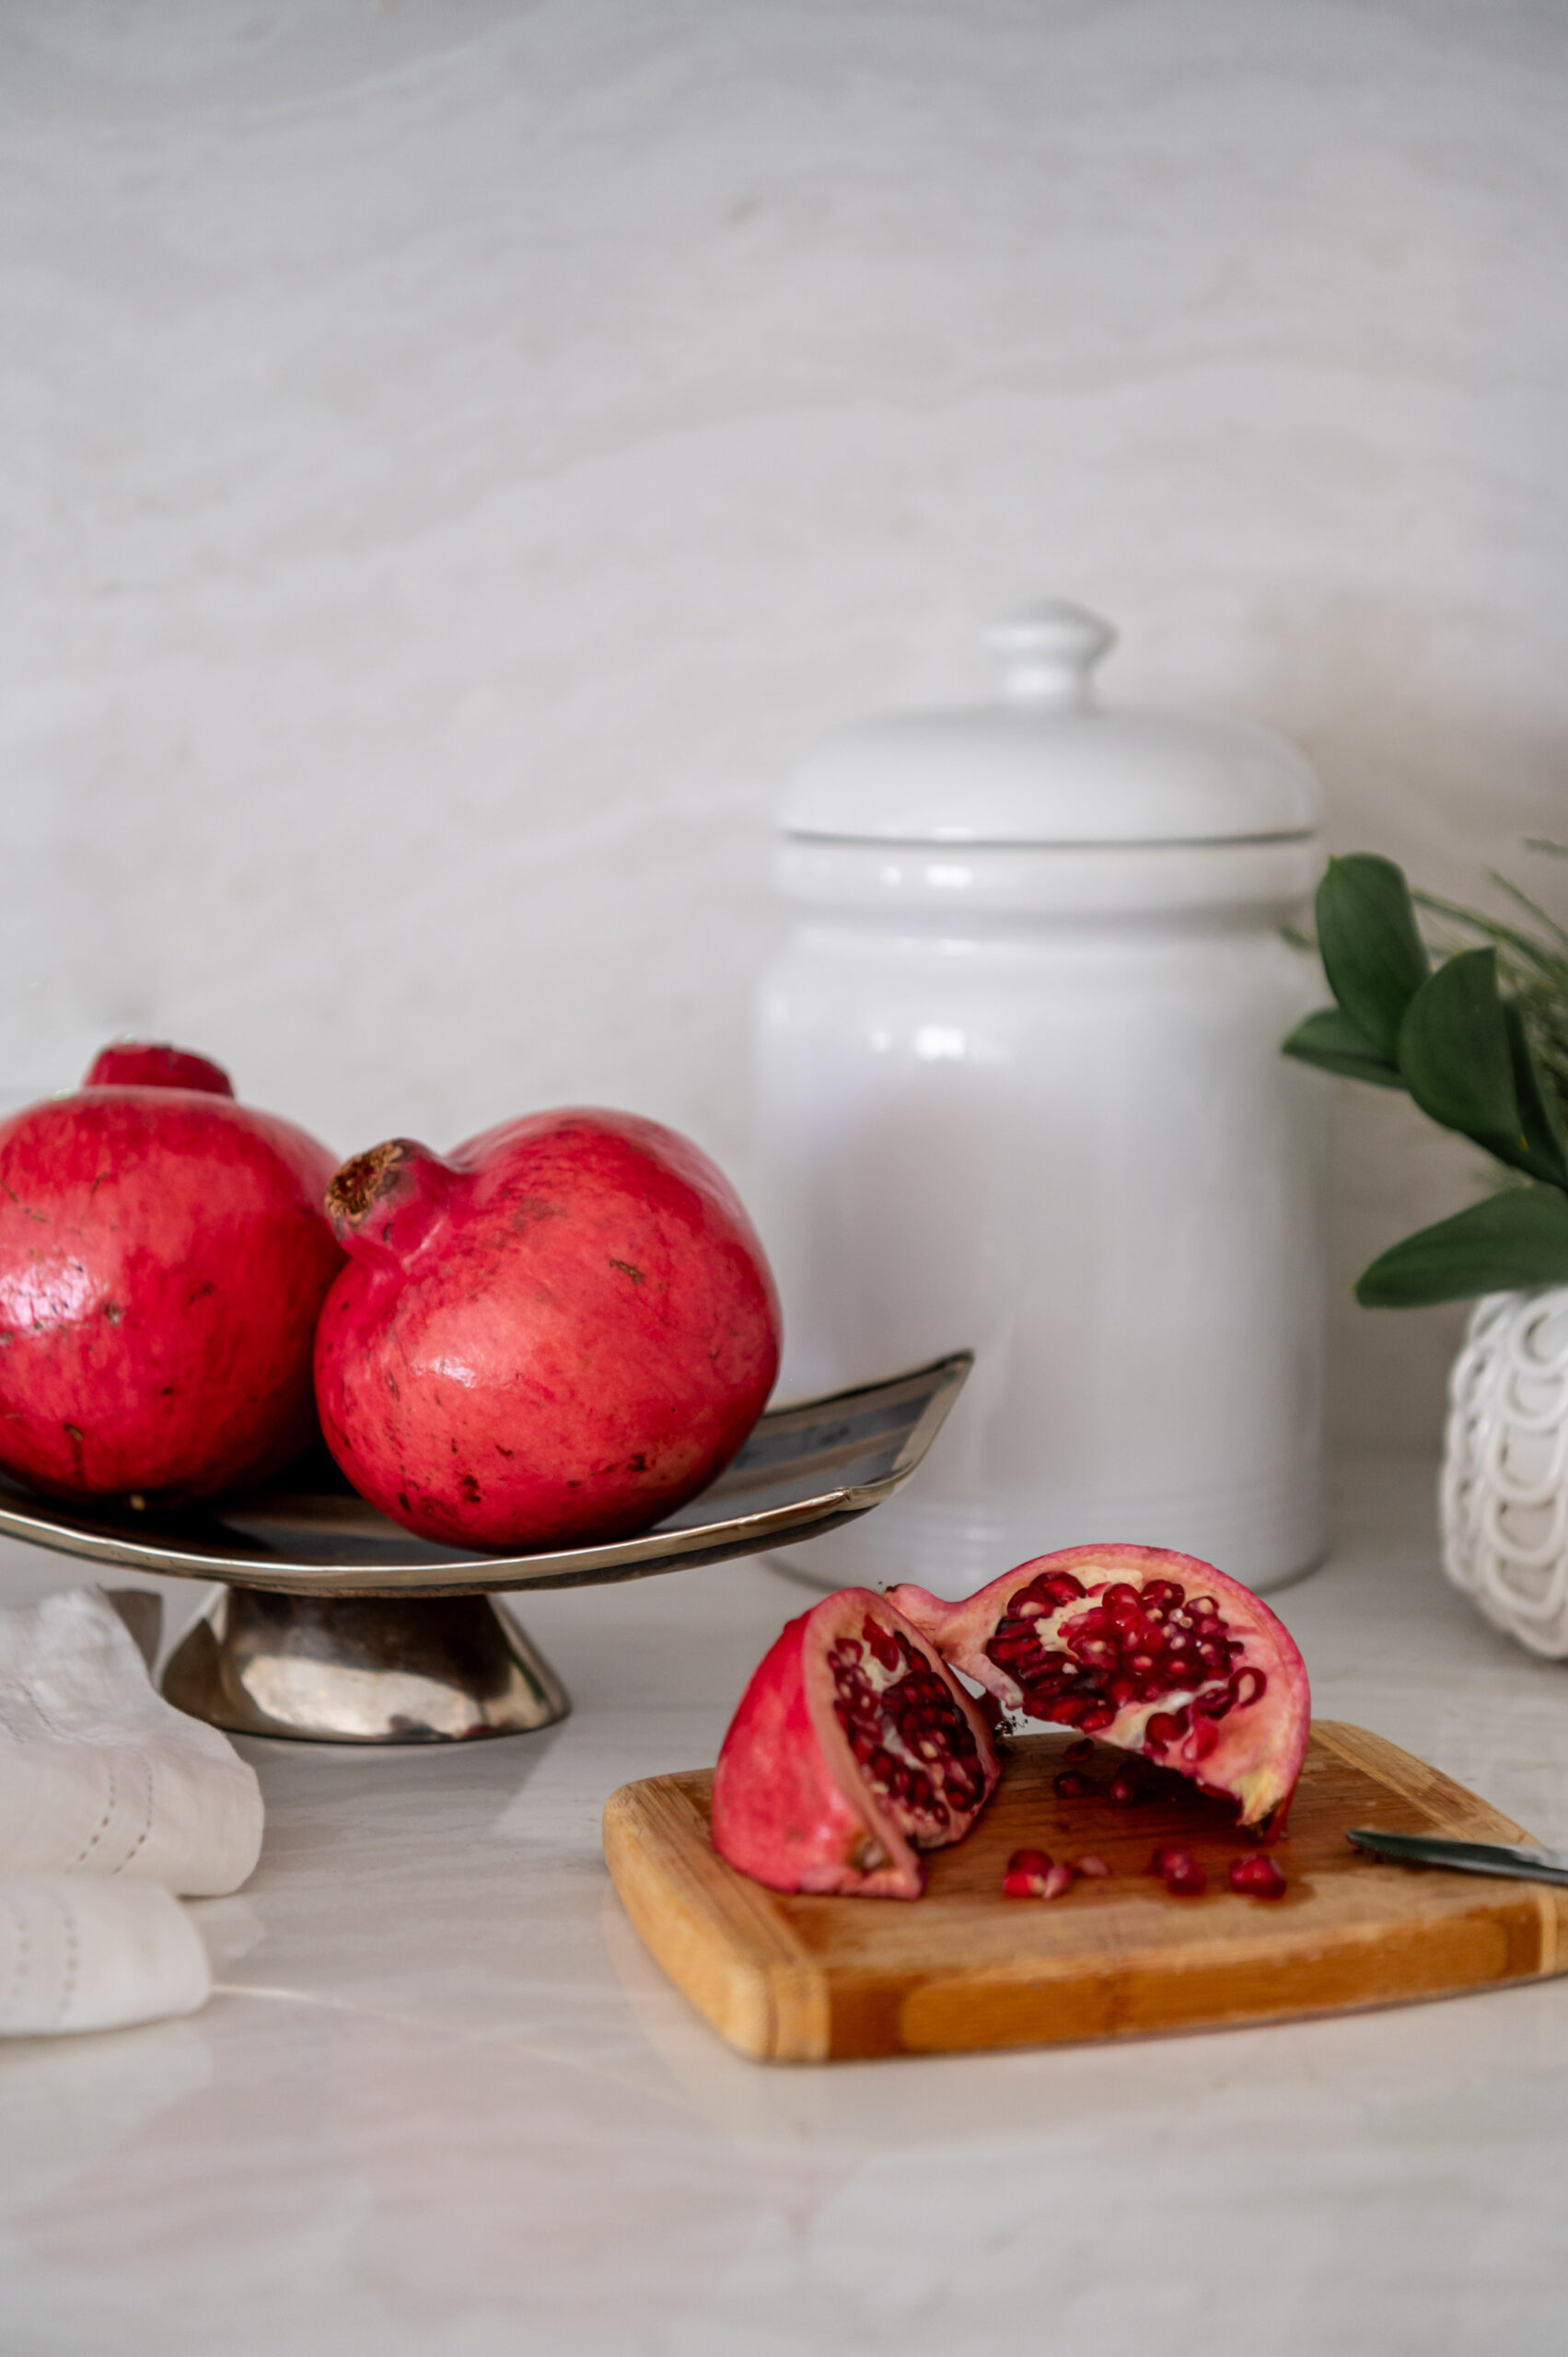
443	2105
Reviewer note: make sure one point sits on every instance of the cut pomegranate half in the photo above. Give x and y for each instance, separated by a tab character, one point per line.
854	1748
1155	1652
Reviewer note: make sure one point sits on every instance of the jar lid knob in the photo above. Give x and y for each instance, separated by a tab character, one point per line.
1049	650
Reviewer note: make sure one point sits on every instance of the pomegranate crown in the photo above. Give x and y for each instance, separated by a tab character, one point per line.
153	1064
387	1202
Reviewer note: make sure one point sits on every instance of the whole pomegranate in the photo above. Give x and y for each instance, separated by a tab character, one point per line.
557	1334
853	1749
1157	1652
162	1256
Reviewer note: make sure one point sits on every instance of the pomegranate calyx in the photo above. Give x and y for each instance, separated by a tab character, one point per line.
391	1201
148	1063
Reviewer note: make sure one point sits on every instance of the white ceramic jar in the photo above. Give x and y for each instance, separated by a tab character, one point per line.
1019	1087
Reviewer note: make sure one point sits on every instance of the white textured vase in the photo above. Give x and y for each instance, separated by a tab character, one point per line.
1503	1494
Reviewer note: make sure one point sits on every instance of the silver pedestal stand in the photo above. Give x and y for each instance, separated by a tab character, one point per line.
334	1625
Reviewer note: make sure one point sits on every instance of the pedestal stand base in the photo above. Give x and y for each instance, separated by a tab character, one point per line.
362	1669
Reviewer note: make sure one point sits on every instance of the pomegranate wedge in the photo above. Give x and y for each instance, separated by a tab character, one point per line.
1157	1652
853	1748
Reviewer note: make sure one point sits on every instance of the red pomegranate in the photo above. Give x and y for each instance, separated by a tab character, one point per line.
162	1256
853	1748
556	1334
1157	1652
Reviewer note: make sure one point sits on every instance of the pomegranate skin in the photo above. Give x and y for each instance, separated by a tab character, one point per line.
556	1334
162	1256
1107	1638
793	1807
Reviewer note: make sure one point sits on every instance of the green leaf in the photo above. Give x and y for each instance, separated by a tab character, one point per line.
1457	1060
1515	1240
1540	1118
1332	1041
1372	950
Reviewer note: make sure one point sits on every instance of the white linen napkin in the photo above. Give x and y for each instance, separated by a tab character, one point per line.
79	1953
106	1793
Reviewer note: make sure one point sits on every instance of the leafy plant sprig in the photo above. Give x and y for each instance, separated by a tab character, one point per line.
1464	1052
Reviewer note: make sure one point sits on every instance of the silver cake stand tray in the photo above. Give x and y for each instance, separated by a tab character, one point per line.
334	1625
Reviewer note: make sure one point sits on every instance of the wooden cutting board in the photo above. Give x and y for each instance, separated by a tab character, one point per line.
794	1980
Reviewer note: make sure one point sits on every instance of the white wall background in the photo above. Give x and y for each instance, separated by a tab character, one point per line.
453	455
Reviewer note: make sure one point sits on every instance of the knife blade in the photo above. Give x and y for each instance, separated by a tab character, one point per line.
1468	1857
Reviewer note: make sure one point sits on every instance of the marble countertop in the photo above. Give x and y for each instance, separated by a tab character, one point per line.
442	2104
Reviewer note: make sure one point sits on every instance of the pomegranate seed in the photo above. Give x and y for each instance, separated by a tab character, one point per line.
1058	1879
1027	1875
1072	1785
1082	1749
1164	1728
1127	1788
1179	1871
1258	1877
1093	1865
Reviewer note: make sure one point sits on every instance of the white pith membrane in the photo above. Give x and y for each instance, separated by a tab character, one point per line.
1153	1666
910	1738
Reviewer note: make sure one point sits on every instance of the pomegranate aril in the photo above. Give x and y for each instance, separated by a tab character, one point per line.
1061	1588
1127	1788
1071	1784
1094	1866
1082	1749
1179	1870
1257	1876
1164	1728
1058	1880
1028	1872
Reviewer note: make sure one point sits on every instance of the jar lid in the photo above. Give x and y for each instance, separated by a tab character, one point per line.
1050	765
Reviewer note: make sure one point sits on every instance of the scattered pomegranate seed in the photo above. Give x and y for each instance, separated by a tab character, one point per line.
1093	1865
1058	1879
1071	1784
1179	1871
1257	1876
1028	1874
1081	1750
1128	1788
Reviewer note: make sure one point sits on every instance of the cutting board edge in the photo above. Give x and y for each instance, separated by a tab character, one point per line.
772	2007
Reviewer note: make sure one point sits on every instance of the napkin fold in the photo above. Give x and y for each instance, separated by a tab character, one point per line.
110	1801
79	1953
98	1775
